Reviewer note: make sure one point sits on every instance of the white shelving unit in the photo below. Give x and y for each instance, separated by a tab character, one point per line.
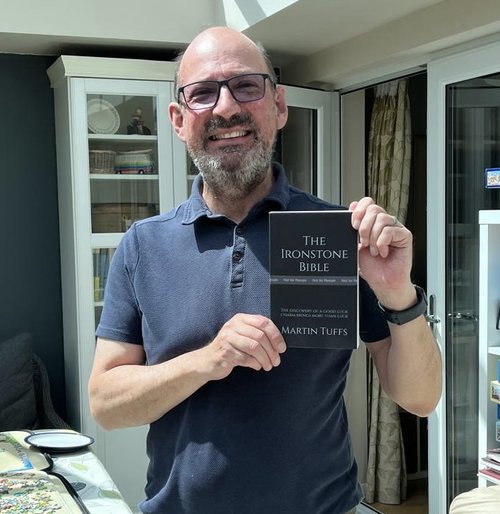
489	336
97	205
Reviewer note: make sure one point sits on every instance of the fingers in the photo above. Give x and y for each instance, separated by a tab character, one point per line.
251	341
377	229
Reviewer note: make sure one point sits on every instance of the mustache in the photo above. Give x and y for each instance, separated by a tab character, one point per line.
218	122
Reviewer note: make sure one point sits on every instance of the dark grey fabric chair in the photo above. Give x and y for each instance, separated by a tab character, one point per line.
47	416
25	401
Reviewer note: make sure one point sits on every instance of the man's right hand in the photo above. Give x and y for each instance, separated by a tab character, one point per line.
125	392
248	340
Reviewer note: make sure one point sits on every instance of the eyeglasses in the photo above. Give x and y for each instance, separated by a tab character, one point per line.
205	94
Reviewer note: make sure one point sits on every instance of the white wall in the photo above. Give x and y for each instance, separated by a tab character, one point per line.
41	27
353	146
166	22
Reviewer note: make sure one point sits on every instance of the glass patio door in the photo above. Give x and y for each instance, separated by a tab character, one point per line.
464	141
306	145
473	143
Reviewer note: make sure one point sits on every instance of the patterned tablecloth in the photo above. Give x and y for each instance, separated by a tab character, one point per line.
85	472
23	476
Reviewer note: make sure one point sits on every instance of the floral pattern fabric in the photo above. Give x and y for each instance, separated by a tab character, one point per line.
389	159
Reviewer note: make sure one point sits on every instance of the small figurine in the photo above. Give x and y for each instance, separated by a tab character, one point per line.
137	124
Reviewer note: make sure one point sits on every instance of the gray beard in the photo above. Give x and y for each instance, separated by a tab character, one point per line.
233	176
234	172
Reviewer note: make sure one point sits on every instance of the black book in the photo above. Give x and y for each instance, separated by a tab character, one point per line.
313	264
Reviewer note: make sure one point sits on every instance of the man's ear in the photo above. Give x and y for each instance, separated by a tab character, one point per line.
177	119
281	106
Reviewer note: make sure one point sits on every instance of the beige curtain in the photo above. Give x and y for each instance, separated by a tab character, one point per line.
389	158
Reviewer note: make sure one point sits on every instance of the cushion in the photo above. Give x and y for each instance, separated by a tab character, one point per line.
17	393
483	500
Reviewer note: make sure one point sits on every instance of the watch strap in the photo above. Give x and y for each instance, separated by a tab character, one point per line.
409	314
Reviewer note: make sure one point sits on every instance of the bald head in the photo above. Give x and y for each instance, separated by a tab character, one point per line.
213	48
230	140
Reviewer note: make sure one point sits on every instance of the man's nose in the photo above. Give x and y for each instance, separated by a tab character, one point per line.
227	105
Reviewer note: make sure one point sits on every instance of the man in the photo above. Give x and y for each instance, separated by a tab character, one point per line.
238	423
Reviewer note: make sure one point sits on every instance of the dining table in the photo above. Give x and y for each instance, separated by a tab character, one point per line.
64	460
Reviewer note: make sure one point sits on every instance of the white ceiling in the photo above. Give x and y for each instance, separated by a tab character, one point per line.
309	26
330	43
290	28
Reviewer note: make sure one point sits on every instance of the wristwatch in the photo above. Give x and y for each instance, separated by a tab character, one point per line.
409	314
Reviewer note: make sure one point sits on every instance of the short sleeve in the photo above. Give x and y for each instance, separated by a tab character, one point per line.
372	324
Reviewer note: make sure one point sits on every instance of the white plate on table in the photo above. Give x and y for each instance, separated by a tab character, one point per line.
59	442
102	116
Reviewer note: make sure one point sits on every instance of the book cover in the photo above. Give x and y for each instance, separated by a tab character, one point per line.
313	263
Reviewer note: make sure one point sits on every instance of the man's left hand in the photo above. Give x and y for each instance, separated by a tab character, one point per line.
385	250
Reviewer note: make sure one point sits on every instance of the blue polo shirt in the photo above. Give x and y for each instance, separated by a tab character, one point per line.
255	442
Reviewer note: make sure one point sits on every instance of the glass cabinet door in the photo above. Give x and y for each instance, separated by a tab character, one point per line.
118	161
123	160
128	173
101	259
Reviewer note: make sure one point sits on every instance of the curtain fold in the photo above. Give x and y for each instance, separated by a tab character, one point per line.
389	160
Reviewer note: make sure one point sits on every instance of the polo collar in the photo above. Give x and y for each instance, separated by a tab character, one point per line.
196	206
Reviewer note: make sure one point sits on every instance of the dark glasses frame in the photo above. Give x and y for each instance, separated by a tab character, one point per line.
220	83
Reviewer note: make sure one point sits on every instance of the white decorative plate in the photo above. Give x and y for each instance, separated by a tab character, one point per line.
102	116
59	442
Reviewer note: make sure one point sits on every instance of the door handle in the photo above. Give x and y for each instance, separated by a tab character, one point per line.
431	317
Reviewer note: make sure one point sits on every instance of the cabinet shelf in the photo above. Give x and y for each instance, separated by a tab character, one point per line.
494	350
119	176
127	138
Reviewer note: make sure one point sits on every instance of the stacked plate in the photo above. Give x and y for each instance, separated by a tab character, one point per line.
102	116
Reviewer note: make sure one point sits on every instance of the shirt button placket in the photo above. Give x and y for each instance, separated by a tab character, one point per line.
237	257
